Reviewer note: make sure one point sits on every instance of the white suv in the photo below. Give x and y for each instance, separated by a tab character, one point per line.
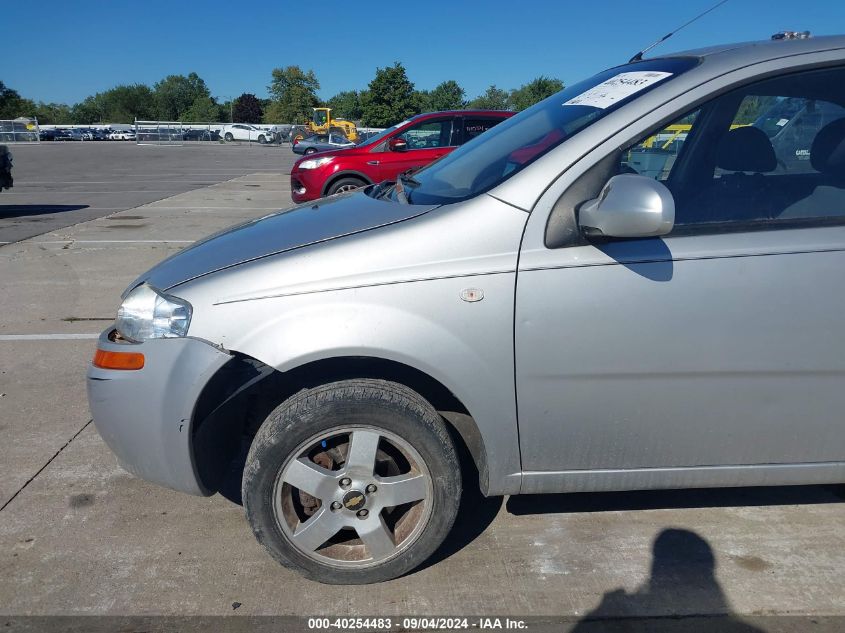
244	132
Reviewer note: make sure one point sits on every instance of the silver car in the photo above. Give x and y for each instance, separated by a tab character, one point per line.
321	143
530	301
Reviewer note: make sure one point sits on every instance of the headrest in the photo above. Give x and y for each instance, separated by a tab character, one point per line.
827	153
746	149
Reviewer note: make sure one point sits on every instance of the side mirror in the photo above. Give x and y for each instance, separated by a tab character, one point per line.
629	205
397	145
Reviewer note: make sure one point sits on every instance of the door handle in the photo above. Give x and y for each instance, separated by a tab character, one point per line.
372	162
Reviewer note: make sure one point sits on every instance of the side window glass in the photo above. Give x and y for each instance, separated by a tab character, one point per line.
429	134
474	127
655	155
763	156
791	123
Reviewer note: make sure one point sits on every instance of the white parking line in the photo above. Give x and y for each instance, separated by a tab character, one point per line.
47	337
152	178
67	193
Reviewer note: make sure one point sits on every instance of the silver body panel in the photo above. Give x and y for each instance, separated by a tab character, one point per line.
686	351
276	233
394	296
146	416
650	363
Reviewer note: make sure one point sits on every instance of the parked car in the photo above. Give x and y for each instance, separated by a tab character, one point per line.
99	134
75	134
6	180
201	135
529	301
245	132
63	134
160	135
122	135
408	145
321	143
366	136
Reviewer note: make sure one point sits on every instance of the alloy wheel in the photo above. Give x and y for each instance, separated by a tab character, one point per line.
353	497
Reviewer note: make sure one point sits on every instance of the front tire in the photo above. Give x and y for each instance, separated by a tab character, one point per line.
353	482
345	184
262	139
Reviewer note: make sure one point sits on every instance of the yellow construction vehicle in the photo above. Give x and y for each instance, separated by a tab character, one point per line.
323	123
671	133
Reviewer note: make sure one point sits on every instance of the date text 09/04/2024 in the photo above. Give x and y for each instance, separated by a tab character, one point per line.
415	623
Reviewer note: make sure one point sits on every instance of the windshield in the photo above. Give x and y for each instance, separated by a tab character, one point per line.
493	157
378	137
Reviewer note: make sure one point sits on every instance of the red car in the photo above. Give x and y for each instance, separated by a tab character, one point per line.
413	143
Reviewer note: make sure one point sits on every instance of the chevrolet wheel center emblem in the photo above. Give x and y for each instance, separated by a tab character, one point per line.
353	500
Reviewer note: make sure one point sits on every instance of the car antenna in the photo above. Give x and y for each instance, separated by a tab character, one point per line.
639	55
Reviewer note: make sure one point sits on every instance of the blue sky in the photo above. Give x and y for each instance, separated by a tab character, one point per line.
65	51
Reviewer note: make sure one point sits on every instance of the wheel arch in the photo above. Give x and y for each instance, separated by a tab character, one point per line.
240	395
345	174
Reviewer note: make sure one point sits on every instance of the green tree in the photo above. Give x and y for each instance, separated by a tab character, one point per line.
527	95
447	96
493	99
12	105
346	105
121	104
124	104
247	109
129	102
752	107
85	111
205	109
390	98
422	101
52	113
175	94
293	93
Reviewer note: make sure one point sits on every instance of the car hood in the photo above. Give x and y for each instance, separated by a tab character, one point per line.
282	231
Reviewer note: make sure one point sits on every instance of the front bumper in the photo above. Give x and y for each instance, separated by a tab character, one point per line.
145	416
306	184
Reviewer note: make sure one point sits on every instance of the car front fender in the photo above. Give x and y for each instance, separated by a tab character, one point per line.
467	346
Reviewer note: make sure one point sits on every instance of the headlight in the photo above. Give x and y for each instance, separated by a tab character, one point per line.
146	313
313	163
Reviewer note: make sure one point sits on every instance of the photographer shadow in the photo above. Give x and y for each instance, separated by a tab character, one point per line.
682	581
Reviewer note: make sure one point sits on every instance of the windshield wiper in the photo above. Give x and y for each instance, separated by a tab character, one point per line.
377	190
401	196
409	179
405	178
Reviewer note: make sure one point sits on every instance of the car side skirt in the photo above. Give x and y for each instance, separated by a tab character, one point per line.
686	477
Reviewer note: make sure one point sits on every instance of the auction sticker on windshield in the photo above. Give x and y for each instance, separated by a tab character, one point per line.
617	88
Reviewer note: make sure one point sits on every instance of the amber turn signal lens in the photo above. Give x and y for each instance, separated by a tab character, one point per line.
118	360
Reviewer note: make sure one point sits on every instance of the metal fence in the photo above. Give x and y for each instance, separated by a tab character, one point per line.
183	133
19	131
159	133
189	133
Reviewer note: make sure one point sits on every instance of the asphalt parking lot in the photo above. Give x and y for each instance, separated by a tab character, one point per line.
78	536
